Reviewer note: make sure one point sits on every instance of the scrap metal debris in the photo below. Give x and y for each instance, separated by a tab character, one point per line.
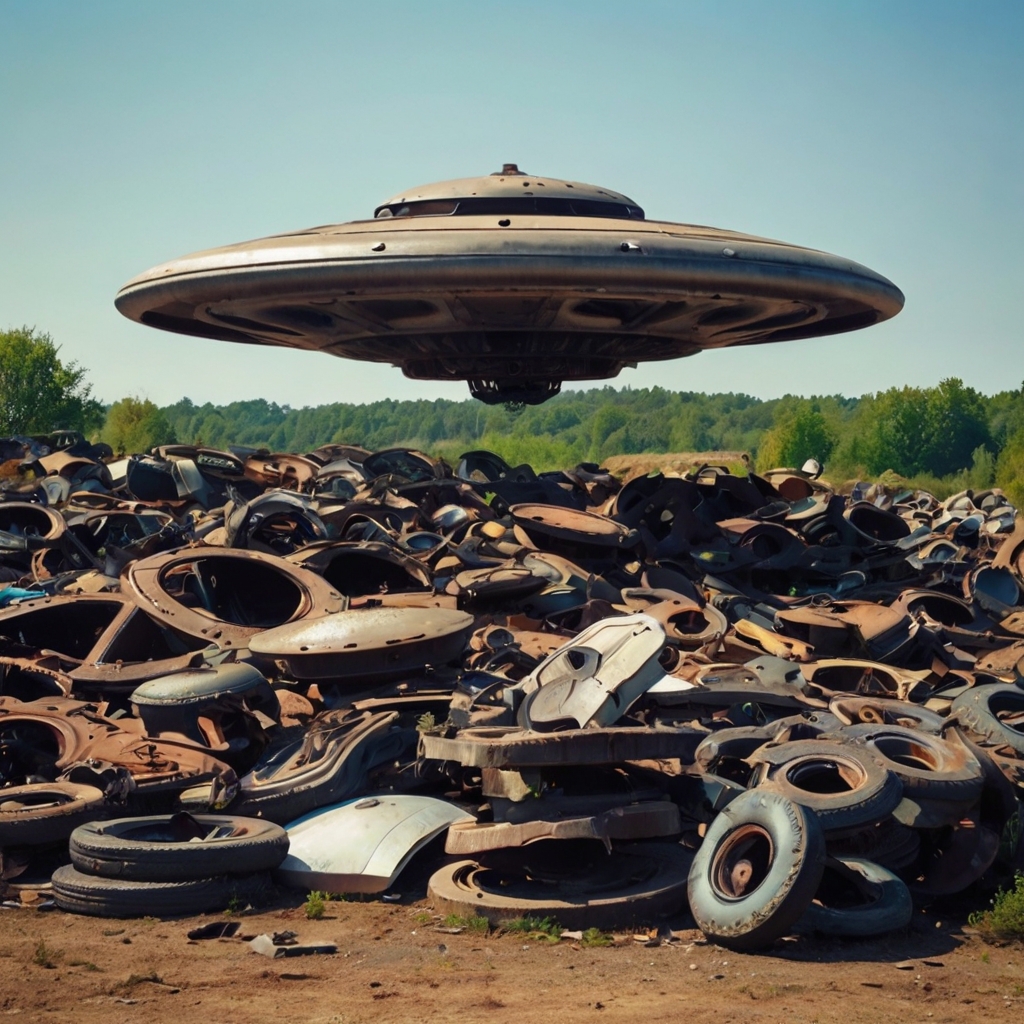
777	706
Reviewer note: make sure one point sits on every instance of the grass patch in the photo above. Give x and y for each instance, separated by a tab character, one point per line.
472	924
540	928
46	956
423	917
1005	918
594	938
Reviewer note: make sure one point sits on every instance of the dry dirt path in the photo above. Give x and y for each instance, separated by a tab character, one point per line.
392	967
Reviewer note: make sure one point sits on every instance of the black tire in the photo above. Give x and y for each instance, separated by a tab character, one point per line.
930	767
886	907
757	870
47	812
978	711
887	843
159	848
115	897
999	807
845	784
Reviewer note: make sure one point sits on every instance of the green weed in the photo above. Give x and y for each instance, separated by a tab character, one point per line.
45	956
540	928
594	937
1005	918
316	905
473	924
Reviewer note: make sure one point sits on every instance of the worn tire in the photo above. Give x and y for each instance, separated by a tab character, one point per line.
888	905
930	767
115	897
763	838
846	785
143	850
47	812
888	844
978	709
653	884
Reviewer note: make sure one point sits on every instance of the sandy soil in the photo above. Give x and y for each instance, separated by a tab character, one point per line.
394	965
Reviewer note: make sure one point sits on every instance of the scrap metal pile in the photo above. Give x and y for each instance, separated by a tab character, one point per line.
778	706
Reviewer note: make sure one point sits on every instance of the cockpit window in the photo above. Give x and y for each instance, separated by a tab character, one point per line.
503	206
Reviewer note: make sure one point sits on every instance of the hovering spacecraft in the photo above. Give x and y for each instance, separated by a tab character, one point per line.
512	283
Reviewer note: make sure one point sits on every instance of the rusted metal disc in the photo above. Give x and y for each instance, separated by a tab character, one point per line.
635	883
570	524
224	596
367	642
513	283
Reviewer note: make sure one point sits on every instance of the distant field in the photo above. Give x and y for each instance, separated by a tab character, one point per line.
629	466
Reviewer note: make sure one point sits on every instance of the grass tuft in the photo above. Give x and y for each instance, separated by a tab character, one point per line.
316	905
540	928
473	924
45	956
1005	918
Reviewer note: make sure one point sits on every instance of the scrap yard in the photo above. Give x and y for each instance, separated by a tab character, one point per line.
368	708
587	585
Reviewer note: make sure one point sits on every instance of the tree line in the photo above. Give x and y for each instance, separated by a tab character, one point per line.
945	437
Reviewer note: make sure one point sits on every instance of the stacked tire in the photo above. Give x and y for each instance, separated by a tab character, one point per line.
829	835
168	865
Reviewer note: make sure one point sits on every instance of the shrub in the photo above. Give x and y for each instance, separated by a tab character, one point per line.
1005	919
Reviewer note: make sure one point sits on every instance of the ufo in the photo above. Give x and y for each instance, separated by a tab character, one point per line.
512	283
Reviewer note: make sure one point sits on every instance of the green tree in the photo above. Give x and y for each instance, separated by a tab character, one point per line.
799	436
896	434
39	393
1010	469
957	427
136	425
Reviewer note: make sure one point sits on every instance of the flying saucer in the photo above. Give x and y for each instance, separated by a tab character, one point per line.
512	283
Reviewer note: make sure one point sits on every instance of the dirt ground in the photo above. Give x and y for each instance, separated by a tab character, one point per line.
394	965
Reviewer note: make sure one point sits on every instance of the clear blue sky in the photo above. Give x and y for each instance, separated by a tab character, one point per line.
888	132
